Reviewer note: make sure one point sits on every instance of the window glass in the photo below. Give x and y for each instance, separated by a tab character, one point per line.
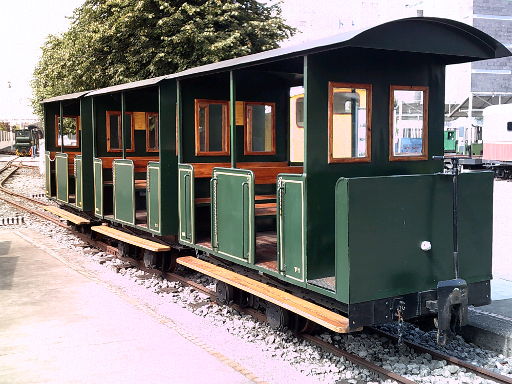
115	133
259	128
67	134
408	123
349	122
152	133
299	112
212	127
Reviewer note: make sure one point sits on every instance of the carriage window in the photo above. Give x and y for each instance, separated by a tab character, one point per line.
408	123
212	133
349	122
68	134
115	133
152	132
260	129
299	112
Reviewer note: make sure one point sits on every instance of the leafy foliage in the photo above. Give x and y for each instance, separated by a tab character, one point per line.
116	41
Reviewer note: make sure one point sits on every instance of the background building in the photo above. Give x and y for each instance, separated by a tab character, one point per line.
470	87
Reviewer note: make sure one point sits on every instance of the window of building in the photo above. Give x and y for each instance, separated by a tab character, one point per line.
349	122
212	128
115	132
408	123
152	132
260	128
68	134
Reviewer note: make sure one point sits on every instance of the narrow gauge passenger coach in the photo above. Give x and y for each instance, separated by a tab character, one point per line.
336	198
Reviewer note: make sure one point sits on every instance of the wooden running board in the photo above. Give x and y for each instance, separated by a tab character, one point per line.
75	219
131	239
310	311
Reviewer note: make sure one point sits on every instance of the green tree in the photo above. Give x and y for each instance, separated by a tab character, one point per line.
116	41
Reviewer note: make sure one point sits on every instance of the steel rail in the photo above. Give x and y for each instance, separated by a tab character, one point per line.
488	374
256	314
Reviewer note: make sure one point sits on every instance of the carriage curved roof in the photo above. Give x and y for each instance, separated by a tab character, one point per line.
449	41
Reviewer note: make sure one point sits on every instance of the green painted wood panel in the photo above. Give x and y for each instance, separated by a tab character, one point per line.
381	222
98	187
153	194
61	176
290	225
48	173
233	213
124	191
78	182
186	203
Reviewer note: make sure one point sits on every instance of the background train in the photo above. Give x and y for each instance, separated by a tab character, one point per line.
26	140
333	198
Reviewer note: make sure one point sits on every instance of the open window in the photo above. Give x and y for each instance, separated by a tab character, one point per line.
408	125
152	132
68	134
115	132
212	128
349	122
260	128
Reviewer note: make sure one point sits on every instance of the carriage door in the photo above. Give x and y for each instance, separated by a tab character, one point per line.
290	225
78	182
153	195
232	192
186	203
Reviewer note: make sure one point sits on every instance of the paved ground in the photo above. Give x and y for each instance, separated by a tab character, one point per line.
502	230
59	326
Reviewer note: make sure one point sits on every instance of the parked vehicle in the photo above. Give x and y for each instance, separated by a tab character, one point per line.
359	221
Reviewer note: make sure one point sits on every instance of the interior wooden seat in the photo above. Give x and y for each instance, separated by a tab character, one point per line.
304	308
265	209
264	173
258	198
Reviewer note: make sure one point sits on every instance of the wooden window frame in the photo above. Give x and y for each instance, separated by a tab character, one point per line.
248	130
148	148
369	94
198	103
132	129
57	121
424	136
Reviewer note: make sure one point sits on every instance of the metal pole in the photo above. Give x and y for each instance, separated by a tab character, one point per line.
232	117
455	163
123	131
61	127
93	124
178	121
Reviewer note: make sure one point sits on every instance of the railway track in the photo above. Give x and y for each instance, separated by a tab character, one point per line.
6	173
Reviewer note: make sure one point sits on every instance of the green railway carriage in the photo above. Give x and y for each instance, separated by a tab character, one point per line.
201	158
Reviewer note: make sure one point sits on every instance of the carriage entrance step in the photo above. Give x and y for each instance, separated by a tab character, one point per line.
75	219
130	239
304	308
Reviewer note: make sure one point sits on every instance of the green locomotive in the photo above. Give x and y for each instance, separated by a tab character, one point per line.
200	160
26	140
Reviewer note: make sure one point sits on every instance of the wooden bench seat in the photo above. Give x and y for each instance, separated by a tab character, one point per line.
131	239
304	308
140	163
258	198
75	219
264	173
71	161
265	209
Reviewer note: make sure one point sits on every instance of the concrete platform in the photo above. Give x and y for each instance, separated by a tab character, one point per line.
59	326
490	326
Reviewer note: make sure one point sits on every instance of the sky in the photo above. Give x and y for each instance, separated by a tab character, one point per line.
24	26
